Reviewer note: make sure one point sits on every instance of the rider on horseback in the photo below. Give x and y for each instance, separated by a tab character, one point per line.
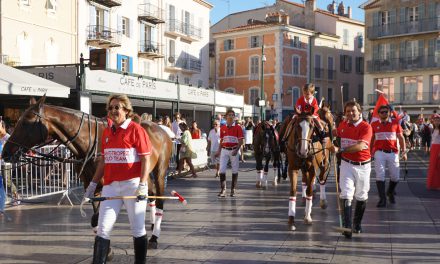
308	103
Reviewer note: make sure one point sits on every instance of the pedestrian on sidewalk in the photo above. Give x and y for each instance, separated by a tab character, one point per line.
433	179
355	170
3	138
186	152
426	133
123	169
213	146
386	134
231	139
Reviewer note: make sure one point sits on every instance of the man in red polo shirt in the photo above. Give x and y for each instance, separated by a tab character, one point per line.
354	180
386	134
231	139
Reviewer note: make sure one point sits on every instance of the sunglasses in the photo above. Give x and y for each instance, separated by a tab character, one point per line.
215	124
383	112
116	107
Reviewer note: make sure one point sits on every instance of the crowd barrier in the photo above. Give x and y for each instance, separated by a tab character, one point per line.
38	177
199	146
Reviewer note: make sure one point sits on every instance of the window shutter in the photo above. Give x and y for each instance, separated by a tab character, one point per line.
375	52
393	16
119	23
250	42
349	63
402	53
421	11
118	62
402	14
92	13
106	18
421	48
376	19
154	36
225	45
432	7
341	62
131	23
431	47
142	36
392	50
130	64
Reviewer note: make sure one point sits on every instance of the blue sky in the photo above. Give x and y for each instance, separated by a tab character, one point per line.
220	9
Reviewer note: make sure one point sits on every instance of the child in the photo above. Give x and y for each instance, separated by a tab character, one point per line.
308	103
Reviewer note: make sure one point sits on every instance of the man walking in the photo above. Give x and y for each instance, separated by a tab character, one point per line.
213	146
386	133
231	139
354	180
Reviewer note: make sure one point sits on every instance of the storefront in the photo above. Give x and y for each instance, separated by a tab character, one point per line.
223	101
17	87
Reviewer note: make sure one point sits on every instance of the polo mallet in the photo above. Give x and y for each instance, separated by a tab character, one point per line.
340	228
175	196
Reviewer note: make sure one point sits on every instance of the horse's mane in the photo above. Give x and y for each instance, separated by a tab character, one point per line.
77	113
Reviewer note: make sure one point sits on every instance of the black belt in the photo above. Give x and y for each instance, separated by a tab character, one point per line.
386	151
356	162
231	148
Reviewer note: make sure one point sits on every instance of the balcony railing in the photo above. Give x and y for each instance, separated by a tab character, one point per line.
325	74
331	75
102	36
319	73
184	29
189	64
399	64
411	98
108	3
151	13
408	27
150	50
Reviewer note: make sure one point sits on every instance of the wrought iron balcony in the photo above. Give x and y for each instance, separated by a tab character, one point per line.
410	98
399	64
319	73
108	3
150	50
331	75
103	37
185	30
189	65
408	27
151	13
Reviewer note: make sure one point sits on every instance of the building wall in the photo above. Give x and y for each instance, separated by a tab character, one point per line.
35	35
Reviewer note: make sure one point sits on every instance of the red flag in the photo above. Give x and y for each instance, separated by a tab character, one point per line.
382	100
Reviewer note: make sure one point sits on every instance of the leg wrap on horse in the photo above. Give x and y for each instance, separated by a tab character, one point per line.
234	184
292	206
265	180
152	206
309	203
391	191
140	249
358	214
322	194
222	192
381	190
346	216
100	250
158	222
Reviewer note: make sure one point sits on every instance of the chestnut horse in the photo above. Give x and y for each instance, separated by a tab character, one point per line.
265	143
81	133
305	155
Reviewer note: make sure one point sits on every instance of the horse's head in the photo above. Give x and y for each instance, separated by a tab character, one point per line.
30	131
264	137
303	131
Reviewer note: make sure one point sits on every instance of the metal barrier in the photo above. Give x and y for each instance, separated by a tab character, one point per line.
39	177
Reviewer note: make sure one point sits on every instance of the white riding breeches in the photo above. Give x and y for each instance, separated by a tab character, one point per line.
225	156
381	160
354	181
109	209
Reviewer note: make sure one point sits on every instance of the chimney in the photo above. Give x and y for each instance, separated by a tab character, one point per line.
341	9
309	14
349	11
285	19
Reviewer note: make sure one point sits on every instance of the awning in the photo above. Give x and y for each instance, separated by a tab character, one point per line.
18	82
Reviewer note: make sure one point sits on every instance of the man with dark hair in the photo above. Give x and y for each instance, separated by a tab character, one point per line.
231	139
355	170
386	133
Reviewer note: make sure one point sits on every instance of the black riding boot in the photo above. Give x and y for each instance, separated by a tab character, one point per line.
382	198
140	249
391	191
234	183
100	250
358	214
222	192
346	217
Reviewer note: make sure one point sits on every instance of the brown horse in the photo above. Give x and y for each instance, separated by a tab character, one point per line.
305	155
81	133
265	143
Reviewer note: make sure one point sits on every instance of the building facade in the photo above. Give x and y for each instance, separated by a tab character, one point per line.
402	52
327	52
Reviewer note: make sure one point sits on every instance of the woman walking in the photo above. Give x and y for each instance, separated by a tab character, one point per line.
186	151
433	179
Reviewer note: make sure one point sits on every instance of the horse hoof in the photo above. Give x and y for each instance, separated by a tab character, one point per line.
152	244
258	185
308	220
110	254
275	183
291	223
323	204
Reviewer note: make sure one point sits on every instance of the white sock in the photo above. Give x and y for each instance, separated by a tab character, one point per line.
159	215
292	206
258	175
309	203
322	195
152	206
304	189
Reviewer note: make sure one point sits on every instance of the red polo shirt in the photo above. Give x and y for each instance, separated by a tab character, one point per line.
121	150
308	106
385	135
230	135
351	134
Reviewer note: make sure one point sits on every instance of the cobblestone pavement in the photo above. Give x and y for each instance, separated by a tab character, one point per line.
251	228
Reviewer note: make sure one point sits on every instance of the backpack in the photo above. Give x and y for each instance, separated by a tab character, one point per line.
426	131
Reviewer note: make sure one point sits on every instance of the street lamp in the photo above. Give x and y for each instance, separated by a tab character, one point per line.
262	108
